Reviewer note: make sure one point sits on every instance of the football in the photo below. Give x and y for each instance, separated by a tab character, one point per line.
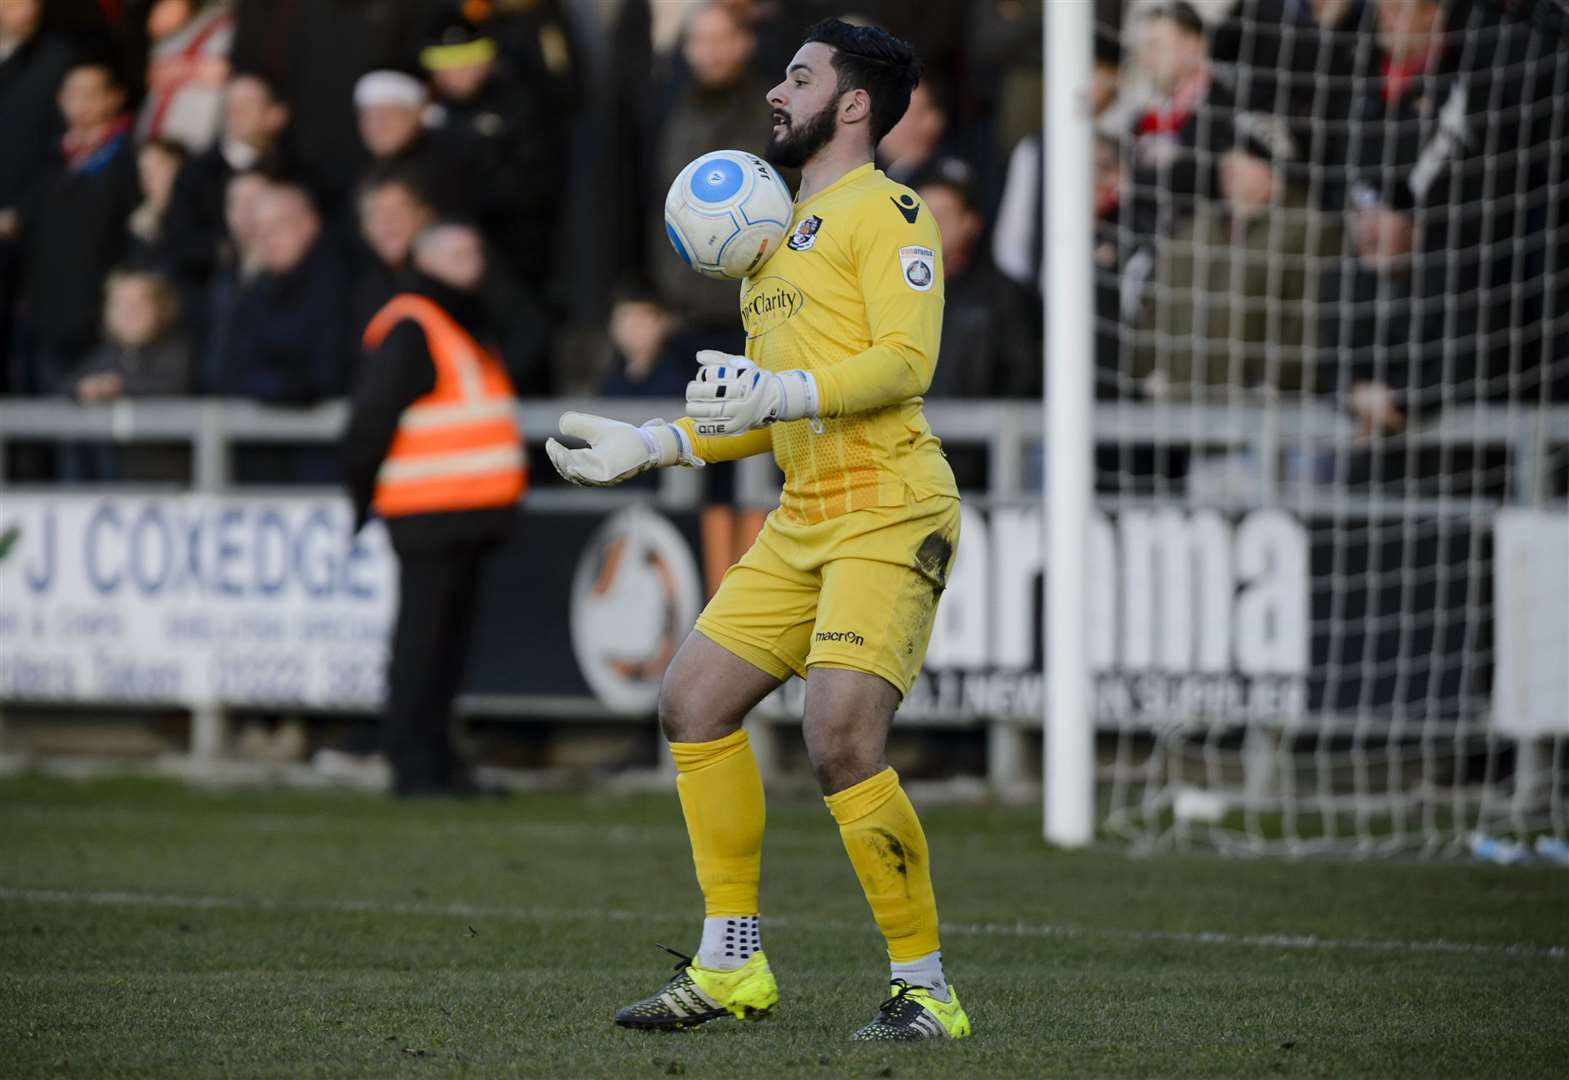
727	212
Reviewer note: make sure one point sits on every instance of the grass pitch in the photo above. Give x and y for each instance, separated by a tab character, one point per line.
151	930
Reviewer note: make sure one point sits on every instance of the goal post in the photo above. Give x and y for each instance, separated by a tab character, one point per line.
1306	428
1069	725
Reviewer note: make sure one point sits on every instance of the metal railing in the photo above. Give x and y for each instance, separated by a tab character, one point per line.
1533	437
1009	430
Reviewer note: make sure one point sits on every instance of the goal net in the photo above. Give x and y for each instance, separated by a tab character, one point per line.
1330	557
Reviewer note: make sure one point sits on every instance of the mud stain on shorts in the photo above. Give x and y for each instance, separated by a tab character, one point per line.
932	559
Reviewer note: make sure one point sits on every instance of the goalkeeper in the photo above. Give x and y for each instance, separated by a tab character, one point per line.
842	585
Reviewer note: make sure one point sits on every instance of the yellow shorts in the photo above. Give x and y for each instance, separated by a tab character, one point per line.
857	591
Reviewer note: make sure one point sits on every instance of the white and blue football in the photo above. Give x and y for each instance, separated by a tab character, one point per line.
727	213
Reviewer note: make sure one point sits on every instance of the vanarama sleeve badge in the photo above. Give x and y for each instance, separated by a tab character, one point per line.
920	267
805	234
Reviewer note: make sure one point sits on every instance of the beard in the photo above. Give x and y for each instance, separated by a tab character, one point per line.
798	145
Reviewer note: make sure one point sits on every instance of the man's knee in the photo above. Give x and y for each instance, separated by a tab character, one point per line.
706	692
842	756
680	714
689	711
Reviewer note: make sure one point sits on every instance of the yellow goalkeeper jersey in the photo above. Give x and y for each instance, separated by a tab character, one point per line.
855	296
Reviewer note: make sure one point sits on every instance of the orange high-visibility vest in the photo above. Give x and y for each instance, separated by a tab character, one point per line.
458	447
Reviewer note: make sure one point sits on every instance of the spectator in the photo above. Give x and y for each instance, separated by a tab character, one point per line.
391	109
143	354
286	342
1392	111
1229	306
648	359
987	348
239	262
1180	135
723	106
496	126
1291	56
158	162
1382	350
254	120
917	139
1016	239
187	67
392	212
446	511
33	63
73	228
1442	167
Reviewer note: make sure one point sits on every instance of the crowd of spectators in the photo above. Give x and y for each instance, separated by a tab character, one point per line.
1359	200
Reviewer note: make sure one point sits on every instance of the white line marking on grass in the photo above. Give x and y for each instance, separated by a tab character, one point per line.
1299	942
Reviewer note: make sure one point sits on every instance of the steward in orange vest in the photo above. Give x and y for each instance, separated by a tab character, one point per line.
433	446
434	425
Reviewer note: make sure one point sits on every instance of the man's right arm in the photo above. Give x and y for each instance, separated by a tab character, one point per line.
618	451
716	448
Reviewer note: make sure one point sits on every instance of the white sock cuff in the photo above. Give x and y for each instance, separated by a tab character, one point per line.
923	971
729	941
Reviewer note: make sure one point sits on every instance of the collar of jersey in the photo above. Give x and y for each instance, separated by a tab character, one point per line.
854	174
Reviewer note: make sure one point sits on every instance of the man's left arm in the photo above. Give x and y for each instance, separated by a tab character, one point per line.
897	253
900	264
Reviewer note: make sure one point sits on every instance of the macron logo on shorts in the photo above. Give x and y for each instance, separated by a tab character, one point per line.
849	637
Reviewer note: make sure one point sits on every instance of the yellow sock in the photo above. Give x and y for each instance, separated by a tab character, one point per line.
722	800
888	850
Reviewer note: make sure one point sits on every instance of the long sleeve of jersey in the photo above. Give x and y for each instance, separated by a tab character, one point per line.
900	268
716	448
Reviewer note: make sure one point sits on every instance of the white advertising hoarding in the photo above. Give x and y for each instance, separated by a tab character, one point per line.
1531	571
192	600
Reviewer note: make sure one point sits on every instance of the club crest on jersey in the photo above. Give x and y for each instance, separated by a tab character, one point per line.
805	234
920	267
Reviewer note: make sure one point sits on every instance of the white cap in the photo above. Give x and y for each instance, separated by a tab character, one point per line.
389	88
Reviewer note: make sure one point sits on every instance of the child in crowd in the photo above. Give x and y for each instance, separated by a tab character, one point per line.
143	353
648	360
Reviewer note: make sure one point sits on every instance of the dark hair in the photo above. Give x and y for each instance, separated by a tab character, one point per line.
167	146
393	172
114	78
954	175
1108	47
268	82
166	299
636	290
871	59
1183	15
938	93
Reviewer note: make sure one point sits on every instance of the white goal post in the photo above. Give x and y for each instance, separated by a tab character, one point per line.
1306	428
1069	730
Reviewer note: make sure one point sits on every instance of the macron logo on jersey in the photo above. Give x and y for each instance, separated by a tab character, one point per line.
849	637
919	266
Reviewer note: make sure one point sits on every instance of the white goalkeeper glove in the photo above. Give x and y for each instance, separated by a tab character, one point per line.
617	451
731	395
